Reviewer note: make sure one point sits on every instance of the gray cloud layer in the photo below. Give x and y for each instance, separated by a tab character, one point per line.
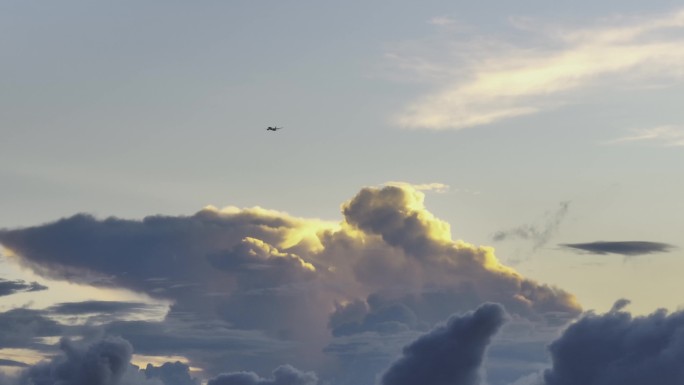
90	307
450	354
626	248
6	362
8	287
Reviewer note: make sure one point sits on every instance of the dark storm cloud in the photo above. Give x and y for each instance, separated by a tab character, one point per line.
618	349
8	287
450	354
626	248
539	235
171	373
90	307
283	375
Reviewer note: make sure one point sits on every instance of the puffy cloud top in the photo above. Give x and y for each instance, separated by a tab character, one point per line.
103	363
283	375
448	355
618	349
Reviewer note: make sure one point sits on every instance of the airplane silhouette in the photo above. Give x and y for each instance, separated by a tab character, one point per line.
273	128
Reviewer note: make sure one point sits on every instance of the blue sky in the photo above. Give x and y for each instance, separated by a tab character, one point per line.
550	124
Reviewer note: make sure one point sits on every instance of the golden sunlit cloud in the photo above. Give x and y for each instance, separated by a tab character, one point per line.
509	81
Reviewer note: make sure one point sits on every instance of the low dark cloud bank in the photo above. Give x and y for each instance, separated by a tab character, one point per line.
450	354
108	362
9	287
618	349
625	248
283	375
171	373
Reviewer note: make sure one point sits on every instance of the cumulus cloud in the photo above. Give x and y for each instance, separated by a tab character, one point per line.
171	373
498	80
283	375
278	286
8	287
444	271
106	361
617	348
539	235
103	363
625	248
450	354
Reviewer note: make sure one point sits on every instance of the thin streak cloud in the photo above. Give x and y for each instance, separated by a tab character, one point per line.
506	81
434	187
666	135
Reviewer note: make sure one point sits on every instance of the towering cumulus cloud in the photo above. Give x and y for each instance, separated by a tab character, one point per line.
450	354
618	349
284	287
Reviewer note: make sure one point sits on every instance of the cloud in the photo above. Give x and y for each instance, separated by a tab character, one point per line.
106	361
449	354
538	235
616	348
103	363
171	373
23	328
667	135
90	307
283	375
499	80
6	362
626	248
253	288
8	287
434	187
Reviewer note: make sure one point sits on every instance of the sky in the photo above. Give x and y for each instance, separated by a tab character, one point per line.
462	193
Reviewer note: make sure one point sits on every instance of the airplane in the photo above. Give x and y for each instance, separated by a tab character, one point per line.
274	128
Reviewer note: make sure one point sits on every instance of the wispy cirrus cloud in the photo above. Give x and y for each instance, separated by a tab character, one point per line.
666	135
499	80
